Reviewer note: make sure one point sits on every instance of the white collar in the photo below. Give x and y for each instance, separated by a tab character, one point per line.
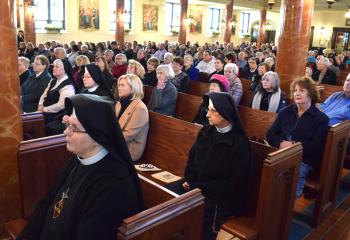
92	89
224	129
94	159
62	79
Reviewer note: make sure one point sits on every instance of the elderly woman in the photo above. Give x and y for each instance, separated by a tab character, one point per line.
33	88
80	62
164	95
301	122
168	58
101	62
132	114
51	102
219	163
218	83
189	69
95	83
236	89
120	65
323	75
181	80
270	97
98	187
134	67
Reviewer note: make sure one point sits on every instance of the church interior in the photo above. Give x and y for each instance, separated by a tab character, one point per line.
298	44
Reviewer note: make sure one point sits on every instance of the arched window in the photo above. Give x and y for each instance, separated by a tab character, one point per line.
127	14
244	23
49	12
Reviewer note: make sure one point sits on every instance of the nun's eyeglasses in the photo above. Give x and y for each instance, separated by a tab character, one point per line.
72	128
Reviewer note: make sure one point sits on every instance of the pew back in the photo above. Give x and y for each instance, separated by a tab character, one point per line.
168	143
33	125
39	161
248	94
198	88
187	106
329	90
147	92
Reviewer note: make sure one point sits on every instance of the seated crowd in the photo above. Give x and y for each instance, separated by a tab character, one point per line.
66	92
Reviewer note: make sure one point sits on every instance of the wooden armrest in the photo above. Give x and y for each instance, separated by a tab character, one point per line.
313	184
241	227
15	227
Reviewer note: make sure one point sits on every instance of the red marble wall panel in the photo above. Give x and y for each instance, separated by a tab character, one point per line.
261	38
293	42
10	124
119	33
229	11
183	16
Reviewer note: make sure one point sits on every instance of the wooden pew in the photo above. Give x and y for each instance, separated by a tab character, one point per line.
198	88
33	125
147	91
256	122
168	214
329	90
326	182
248	94
187	106
275	180
169	152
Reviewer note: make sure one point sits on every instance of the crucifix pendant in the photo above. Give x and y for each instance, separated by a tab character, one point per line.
59	205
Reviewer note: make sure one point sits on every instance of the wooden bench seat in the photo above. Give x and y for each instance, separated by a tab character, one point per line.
39	163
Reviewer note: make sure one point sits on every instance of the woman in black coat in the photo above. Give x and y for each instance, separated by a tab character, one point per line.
98	187
219	163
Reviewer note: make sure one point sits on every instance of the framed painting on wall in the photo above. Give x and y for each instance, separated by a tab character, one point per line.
150	17
89	14
196	23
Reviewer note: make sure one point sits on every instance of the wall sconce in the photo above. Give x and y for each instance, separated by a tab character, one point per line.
270	3
330	2
347	14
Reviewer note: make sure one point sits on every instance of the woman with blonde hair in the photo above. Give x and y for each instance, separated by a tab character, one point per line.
134	67
132	114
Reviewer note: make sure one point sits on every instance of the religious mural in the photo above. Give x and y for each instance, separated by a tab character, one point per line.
196	21
150	17
89	15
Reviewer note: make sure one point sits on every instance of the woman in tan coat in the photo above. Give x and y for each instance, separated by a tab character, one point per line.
132	114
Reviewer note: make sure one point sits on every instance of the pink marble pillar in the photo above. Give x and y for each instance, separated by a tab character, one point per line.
29	25
229	11
293	42
183	16
10	121
120	15
261	38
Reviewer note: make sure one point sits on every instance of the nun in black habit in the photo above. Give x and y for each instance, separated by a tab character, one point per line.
98	187
219	163
95	82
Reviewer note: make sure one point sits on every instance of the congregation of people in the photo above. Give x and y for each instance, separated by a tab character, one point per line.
68	83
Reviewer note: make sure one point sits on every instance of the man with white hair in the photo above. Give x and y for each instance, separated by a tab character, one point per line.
60	53
23	65
323	75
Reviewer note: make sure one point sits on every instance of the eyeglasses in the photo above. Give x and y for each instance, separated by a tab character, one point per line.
72	128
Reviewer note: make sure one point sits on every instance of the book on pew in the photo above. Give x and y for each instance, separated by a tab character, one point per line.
146	167
166	177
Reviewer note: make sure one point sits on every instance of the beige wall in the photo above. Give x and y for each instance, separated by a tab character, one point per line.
326	19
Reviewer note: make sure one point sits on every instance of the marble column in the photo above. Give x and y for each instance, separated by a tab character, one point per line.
229	11
261	38
18	13
29	25
294	39
183	16
120	17
10	123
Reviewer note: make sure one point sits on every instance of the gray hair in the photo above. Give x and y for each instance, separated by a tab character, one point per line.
61	49
270	61
168	70
275	78
25	61
109	52
324	61
232	66
169	56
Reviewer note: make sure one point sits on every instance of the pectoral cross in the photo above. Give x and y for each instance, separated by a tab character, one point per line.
59	205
